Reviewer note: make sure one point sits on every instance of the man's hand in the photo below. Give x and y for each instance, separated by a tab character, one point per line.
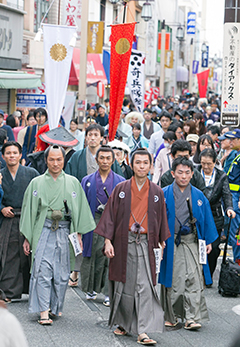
80	241
231	213
26	247
209	248
109	250
6	211
23	162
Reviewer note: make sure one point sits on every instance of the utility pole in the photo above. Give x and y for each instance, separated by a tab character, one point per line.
191	66
83	63
162	64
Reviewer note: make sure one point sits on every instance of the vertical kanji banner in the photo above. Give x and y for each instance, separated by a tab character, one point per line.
121	45
136	78
203	83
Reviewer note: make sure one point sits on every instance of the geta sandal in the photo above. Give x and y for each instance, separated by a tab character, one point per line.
144	339
73	283
45	321
120	331
191	325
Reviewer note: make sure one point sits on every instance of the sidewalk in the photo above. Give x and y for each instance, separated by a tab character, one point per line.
84	324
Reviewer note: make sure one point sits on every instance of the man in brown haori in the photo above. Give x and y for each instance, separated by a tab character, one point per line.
134	224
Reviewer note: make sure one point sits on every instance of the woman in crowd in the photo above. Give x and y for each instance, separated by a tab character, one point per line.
79	135
216	191
189	127
204	142
200	126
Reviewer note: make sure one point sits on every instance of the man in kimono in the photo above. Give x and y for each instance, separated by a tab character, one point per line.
181	272
134	224
94	267
46	223
83	163
14	265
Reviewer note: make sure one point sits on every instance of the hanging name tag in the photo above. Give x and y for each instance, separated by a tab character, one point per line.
75	243
158	258
202	251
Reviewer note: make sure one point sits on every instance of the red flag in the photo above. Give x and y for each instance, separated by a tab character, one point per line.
203	83
121	46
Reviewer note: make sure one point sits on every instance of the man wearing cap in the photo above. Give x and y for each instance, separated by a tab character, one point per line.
121	150
8	129
193	140
102	117
148	127
234	185
46	223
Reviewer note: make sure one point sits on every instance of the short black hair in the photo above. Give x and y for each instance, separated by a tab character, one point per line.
181	146
214	130
141	151
165	113
95	127
105	148
106	100
11	143
174	126
181	161
3	136
74	120
208	152
11	121
41	111
30	114
46	152
169	135
136	126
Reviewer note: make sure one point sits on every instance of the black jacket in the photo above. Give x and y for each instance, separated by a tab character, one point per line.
219	193
196	181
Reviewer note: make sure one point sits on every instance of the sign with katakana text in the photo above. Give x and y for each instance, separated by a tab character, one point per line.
136	78
32	98
72	13
230	75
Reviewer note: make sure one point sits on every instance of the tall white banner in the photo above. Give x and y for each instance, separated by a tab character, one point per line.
136	78
57	64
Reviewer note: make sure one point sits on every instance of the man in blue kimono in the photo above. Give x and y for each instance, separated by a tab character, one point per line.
94	268
181	269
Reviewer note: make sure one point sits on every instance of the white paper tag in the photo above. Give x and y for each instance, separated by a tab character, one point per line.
202	251
158	258
75	243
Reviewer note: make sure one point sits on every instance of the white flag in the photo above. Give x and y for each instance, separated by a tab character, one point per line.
136	78
57	64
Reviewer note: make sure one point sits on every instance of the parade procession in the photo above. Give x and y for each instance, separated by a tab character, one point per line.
119	173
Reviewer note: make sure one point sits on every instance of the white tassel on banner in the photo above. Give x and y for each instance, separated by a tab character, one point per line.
38	35
73	40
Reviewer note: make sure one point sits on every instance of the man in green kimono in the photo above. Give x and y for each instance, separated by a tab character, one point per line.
46	224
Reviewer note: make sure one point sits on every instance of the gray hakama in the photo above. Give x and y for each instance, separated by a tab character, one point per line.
185	299
94	269
135	305
51	269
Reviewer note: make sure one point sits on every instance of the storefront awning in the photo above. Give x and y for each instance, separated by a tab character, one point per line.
95	70
182	74
18	80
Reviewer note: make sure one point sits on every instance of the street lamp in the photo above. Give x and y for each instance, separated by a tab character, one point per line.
146	14
180	33
204	47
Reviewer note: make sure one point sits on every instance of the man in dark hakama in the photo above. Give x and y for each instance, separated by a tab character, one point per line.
94	267
134	223
14	265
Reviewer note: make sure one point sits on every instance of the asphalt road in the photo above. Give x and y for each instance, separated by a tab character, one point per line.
84	324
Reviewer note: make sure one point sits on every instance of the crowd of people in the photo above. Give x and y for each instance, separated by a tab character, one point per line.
165	188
